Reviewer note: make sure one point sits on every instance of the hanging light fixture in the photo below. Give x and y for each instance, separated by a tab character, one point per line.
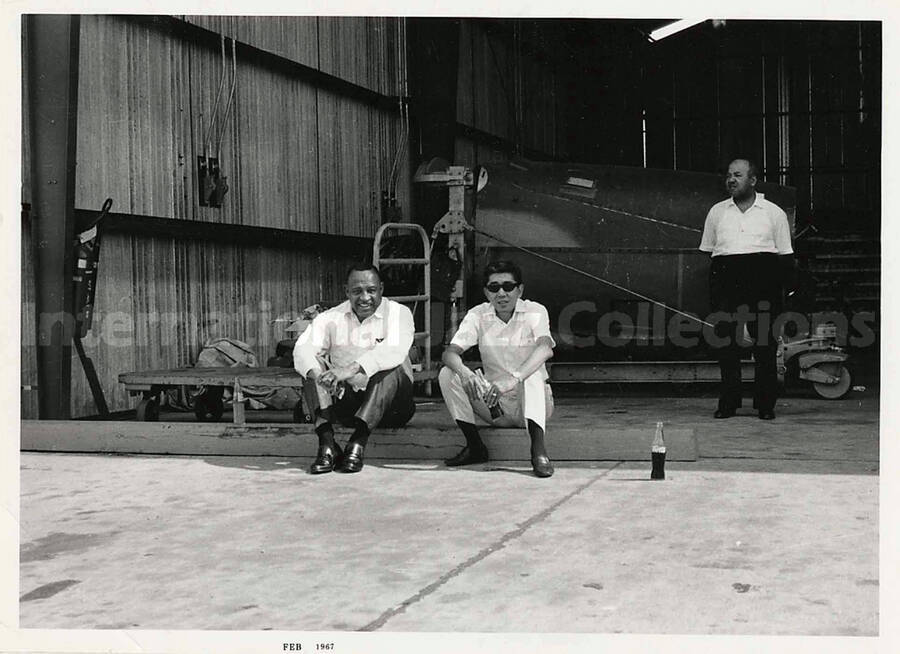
673	28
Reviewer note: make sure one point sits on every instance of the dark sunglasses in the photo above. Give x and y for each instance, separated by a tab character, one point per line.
495	287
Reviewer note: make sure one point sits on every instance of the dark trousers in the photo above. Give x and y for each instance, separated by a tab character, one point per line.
387	401
747	287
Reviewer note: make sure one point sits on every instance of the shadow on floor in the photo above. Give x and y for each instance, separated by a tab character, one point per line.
794	465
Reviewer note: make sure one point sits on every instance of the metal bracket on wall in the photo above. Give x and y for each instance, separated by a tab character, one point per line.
207	178
212	185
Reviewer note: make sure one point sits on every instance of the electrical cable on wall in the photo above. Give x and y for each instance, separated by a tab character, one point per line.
403	107
230	95
212	120
397	88
212	184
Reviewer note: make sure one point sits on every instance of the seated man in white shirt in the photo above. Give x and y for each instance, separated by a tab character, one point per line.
513	336
355	358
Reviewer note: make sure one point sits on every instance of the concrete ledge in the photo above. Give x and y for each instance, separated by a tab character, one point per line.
422	442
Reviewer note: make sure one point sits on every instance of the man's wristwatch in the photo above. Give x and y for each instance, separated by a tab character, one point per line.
517	376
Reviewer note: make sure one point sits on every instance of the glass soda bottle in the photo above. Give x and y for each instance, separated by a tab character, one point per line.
485	386
658	454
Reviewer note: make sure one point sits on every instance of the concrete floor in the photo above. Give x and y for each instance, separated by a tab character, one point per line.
774	530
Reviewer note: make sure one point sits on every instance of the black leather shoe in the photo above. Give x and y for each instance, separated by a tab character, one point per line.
767	415
326	459
467	456
352	461
542	466
724	413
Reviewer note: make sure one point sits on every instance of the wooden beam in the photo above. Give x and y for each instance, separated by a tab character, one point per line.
246	235
175	26
422	439
605	372
501	143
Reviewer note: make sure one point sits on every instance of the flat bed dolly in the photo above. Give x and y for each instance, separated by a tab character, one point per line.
209	405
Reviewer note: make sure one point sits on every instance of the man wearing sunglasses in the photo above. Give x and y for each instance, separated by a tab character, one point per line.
513	337
355	358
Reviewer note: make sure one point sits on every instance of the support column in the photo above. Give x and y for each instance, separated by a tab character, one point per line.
51	60
434	68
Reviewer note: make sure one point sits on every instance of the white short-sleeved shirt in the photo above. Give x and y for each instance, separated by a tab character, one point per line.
763	227
504	346
380	342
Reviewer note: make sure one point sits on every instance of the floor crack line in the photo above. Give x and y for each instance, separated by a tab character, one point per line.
484	553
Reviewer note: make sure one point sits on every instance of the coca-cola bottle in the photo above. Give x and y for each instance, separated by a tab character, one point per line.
485	386
658	454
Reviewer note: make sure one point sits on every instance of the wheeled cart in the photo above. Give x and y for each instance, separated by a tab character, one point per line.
209	405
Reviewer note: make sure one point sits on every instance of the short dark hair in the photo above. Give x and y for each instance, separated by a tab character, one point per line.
502	266
752	168
362	266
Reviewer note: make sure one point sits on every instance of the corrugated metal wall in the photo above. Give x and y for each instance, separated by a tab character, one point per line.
159	299
297	157
801	97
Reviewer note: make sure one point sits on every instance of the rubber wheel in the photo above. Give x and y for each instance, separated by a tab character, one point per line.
834	391
148	410
207	408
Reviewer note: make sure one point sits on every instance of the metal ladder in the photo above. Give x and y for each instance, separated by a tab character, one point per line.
426	374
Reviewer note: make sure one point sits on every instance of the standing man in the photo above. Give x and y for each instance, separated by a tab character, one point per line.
513	337
355	360
750	242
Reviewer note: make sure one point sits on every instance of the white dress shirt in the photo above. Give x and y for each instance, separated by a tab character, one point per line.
763	227
380	342
504	346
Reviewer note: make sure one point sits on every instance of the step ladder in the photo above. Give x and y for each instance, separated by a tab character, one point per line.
426	374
